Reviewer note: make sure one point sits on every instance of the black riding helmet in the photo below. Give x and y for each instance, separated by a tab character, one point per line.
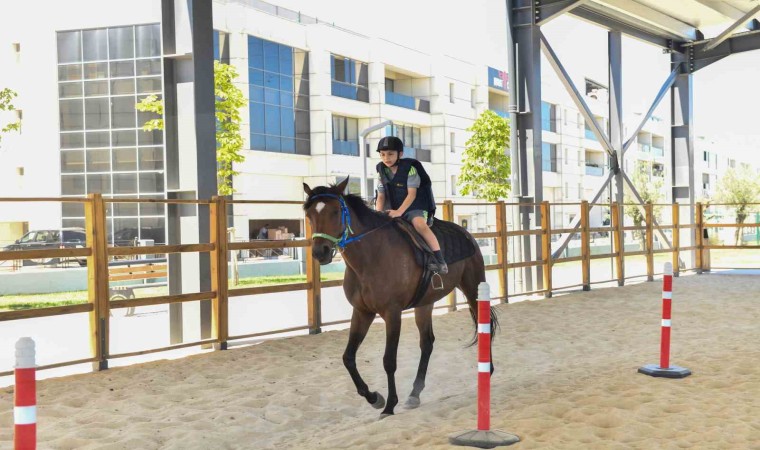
390	143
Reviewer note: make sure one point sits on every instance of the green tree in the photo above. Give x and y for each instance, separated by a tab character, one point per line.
650	190
229	141
741	188
486	165
6	104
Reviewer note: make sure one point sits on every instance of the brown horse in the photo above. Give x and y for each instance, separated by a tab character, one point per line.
381	277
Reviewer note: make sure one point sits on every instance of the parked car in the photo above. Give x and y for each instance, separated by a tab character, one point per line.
48	239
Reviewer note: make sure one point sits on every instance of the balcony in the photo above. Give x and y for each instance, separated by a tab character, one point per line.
407	101
644	148
594	170
656	151
349	148
419	154
502	114
350	91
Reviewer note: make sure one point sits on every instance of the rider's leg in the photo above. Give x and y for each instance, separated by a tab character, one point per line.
420	224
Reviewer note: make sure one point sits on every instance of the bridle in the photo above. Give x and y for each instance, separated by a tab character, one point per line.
347	235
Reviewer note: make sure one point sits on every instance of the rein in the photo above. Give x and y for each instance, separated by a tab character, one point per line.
345	221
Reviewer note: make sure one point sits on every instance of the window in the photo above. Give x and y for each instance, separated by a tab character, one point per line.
102	74
549	157
412	137
548	116
580	162
278	97
566	156
453	185
390	85
565	118
580	190
452	142
705	156
451	92
472	98
580	121
345	140
350	79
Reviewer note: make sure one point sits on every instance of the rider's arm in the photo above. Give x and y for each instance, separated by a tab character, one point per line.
380	205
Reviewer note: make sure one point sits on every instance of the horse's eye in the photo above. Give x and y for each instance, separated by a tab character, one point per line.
335	213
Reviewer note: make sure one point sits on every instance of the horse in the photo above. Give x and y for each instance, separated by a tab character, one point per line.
381	278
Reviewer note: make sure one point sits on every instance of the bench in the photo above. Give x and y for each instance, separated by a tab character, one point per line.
140	271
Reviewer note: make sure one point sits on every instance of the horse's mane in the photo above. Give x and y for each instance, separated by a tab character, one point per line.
366	215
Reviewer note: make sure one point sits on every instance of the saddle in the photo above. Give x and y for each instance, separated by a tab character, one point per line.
456	245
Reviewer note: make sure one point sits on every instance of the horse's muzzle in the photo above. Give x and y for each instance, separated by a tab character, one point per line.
322	253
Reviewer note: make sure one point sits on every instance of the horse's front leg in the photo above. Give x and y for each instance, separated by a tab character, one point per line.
360	322
423	316
392	333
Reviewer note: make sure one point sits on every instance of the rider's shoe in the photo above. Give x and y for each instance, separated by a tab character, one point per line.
439	267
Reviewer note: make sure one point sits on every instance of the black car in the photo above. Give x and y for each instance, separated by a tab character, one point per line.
48	239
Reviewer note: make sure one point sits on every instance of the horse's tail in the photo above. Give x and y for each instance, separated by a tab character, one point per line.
478	275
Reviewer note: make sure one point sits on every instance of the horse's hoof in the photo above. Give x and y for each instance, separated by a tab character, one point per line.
383	416
380	402
412	402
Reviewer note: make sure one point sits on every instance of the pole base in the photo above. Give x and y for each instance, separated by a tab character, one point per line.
671	372
483	439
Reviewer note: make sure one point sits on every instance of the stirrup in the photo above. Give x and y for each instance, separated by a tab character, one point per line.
436	286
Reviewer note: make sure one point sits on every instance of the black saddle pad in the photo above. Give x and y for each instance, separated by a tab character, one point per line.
456	243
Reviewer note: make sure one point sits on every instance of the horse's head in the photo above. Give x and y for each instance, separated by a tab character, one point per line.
326	212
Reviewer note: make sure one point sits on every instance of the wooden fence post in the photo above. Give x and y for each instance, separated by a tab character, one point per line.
97	280
619	240
314	292
501	249
546	247
676	239
448	215
219	271
585	246
649	218
699	230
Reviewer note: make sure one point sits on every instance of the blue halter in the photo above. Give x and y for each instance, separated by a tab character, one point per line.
345	222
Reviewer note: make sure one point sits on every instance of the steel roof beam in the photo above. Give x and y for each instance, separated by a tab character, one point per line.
738	43
616	23
551	10
651	19
730	30
726	10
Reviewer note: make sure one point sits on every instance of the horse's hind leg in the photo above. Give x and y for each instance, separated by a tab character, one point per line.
360	322
423	315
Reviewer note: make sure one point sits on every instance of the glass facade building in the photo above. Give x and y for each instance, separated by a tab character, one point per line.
102	74
279	97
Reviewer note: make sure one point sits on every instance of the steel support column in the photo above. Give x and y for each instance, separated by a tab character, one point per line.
615	62
682	136
526	48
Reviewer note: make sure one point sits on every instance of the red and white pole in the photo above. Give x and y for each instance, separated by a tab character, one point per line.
484	357
484	437
664	369
667	297
25	397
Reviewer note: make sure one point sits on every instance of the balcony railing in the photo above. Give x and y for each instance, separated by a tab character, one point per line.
644	148
656	151
590	134
350	148
500	113
407	101
350	91
594	170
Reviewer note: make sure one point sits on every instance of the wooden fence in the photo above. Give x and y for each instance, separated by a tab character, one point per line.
98	254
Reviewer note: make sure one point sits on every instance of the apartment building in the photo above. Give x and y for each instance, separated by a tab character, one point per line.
311	88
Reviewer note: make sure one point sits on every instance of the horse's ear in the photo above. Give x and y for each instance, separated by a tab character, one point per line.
342	186
307	189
